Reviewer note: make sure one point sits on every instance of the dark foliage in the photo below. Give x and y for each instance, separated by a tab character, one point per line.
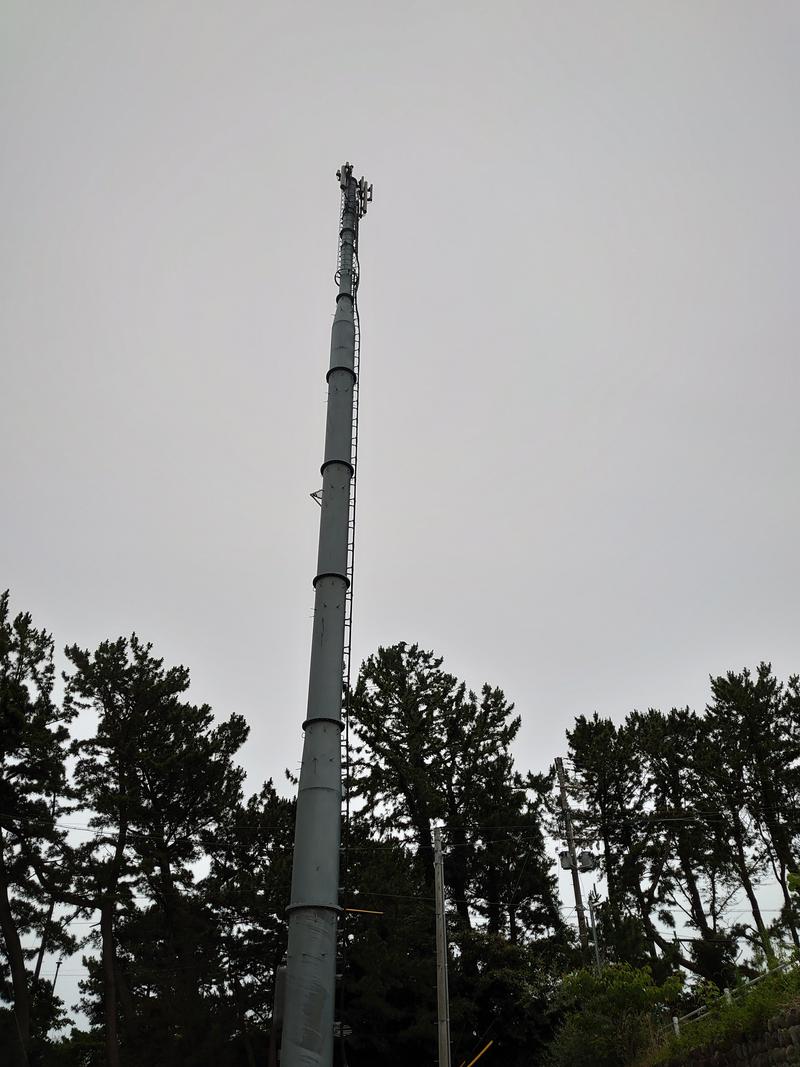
187	879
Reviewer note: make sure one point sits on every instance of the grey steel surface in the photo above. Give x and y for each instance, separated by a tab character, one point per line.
314	907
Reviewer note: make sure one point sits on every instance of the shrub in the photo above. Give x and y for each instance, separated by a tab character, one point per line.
609	1015
725	1023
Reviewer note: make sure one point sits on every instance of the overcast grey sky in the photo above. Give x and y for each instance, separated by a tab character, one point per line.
579	448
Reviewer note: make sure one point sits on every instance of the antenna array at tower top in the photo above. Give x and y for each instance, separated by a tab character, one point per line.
344	174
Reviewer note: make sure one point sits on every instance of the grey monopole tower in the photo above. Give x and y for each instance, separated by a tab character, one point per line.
314	908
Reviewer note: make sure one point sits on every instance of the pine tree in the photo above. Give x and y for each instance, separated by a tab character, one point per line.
429	751
610	785
33	734
246	892
696	873
388	994
754	724
158	779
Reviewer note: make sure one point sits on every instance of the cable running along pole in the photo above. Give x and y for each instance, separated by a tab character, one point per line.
307	1039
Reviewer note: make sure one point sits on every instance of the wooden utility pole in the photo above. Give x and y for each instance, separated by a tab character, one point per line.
576	885
442	995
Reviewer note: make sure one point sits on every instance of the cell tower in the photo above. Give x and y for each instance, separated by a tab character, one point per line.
307	1039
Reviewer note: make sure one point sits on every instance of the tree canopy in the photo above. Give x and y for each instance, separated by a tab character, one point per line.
139	827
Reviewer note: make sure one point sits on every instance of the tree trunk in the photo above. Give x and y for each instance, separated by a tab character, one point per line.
131	1023
692	890
779	837
611	877
635	878
789	903
240	1011
493	903
43	944
22	999
107	909
248	1047
178	935
109	982
456	874
747	885
424	835
667	945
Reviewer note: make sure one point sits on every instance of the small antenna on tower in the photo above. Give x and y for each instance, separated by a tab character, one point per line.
364	196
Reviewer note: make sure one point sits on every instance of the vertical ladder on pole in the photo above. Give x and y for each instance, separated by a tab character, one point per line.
351	545
347	658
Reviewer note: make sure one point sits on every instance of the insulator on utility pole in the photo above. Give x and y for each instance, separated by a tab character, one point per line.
442	993
307	1039
573	859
